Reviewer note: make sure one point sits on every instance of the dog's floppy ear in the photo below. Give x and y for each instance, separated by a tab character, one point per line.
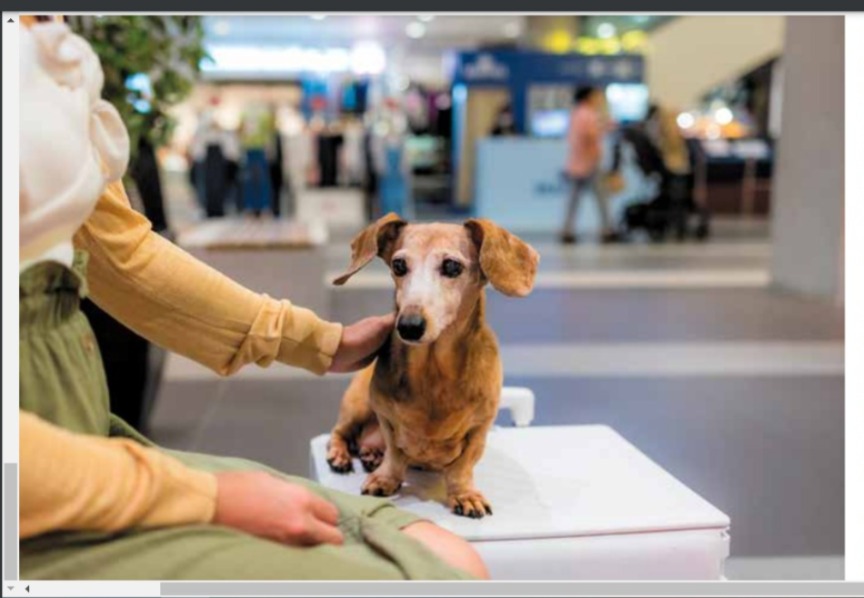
508	262
377	239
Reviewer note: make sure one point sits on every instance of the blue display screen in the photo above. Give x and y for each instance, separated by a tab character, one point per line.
628	102
549	123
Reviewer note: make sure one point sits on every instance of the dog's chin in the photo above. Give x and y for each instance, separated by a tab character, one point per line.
417	343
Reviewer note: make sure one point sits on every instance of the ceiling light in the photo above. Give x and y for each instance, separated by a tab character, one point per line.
606	30
222	27
278	59
317	17
368	58
415	30
685	120
512	29
426	18
723	116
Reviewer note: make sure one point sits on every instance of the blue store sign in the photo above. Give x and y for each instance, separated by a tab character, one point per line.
484	68
519	69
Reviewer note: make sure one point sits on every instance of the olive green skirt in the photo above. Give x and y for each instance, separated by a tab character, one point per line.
63	381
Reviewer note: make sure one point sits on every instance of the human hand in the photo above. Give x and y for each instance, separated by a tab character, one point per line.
360	343
265	506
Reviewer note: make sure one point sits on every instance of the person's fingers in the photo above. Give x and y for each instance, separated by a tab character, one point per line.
383	326
323	533
361	341
388	321
359	365
324	510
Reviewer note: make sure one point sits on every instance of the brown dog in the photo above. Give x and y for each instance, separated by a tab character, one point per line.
432	394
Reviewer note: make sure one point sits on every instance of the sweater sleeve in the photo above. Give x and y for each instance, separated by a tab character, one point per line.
174	300
77	482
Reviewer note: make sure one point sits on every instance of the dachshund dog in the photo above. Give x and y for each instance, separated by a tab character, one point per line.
432	394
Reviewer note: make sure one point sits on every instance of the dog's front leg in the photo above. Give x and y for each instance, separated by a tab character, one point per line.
462	497
388	477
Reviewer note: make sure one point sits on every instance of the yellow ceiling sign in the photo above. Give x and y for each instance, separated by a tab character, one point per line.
558	42
632	42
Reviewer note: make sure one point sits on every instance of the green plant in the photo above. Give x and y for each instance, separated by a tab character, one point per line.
167	49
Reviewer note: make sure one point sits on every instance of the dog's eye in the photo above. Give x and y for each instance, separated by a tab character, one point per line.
400	268
451	268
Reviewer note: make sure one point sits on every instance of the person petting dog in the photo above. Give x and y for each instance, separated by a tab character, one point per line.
97	499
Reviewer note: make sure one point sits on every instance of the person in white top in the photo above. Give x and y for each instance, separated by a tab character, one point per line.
66	125
82	469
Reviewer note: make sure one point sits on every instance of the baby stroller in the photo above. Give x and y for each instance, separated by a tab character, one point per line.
672	209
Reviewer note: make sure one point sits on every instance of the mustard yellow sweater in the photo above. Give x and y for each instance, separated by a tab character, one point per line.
77	482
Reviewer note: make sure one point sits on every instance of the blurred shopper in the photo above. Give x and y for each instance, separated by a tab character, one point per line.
391	159
213	151
330	141
662	129
585	140
505	124
370	171
670	206
99	500
352	153
296	160
277	177
256	136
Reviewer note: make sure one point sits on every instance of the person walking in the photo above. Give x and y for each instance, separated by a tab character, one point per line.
585	142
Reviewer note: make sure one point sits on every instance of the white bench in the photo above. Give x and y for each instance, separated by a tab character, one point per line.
570	502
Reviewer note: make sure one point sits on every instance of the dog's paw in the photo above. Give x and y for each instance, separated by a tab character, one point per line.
377	484
371	458
469	504
339	460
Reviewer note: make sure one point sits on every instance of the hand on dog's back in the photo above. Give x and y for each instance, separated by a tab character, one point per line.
360	343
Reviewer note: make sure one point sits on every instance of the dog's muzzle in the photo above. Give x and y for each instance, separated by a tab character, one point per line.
411	327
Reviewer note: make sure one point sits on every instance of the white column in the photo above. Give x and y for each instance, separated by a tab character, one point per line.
808	194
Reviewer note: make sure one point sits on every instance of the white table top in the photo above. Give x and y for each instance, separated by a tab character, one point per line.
552	481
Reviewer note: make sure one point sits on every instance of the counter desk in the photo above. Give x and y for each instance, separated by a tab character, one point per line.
519	184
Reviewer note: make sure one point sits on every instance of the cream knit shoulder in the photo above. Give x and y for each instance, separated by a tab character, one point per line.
72	143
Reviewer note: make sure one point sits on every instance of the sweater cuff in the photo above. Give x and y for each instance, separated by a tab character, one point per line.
200	506
309	342
189	495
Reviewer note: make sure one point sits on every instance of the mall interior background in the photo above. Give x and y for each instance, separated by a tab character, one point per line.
720	358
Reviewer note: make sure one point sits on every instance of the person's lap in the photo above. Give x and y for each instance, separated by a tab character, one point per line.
374	547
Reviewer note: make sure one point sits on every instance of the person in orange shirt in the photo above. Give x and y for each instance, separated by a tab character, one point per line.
585	152
97	499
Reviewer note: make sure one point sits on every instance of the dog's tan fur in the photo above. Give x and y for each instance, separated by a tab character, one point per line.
430	404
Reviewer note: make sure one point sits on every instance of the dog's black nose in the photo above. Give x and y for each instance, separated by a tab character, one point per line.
411	327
